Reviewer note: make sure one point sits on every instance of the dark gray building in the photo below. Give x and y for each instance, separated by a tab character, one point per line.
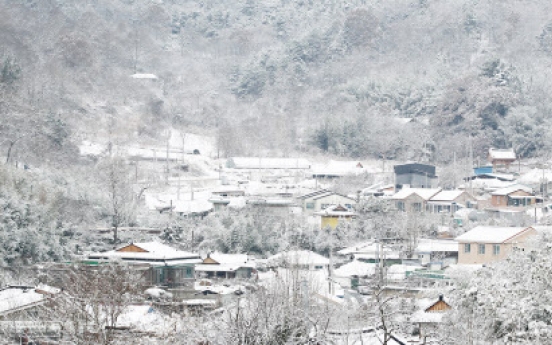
415	175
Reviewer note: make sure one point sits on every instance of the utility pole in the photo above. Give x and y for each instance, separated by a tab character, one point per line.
167	157
306	304
178	188
330	268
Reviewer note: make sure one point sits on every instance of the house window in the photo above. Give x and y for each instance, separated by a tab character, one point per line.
417	207
310	205
318	267
324	206
349	206
481	249
467	247
400	205
496	249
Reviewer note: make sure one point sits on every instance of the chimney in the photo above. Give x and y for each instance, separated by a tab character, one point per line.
440	298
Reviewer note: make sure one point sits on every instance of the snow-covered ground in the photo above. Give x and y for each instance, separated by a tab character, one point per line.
145	318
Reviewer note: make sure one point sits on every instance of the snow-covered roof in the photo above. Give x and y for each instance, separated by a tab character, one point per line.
357	248
270	202
370	251
336	211
487	184
267	163
421	316
192	206
220	200
499	176
15	298
355	268
219	268
222	258
237	203
218	288
492	234
297	257
402	120
386	253
157	292
511	189
535	176
228	190
507	154
154	251
200	301
424	193
338	168
378	187
447	195
435	245
144	76
310	195
140	319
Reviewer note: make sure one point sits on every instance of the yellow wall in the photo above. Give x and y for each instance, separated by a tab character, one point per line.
332	222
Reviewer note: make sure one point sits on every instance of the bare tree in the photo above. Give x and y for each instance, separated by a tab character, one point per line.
93	300
121	204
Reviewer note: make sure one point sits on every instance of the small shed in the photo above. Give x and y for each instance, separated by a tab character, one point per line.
429	316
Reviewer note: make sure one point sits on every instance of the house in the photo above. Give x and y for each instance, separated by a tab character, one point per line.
267	163
450	201
415	175
333	215
272	206
322	199
301	259
513	196
500	158
486	244
226	266
335	169
414	199
166	265
436	251
349	275
429	316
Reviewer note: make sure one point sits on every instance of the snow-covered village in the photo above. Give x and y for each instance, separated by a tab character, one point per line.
281	172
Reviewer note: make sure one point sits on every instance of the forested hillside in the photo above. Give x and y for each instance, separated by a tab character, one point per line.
277	75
